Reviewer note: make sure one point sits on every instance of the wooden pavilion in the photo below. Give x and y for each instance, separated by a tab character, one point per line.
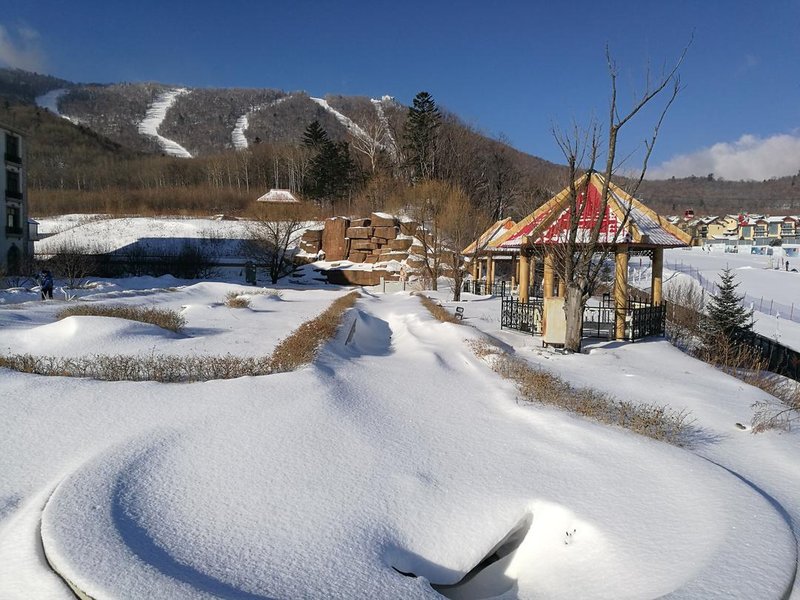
627	227
483	251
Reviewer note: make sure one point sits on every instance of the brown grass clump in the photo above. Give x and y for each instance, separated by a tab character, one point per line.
298	349
236	300
537	385
303	343
438	311
165	318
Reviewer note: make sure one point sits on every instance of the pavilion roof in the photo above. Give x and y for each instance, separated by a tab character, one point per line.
490	237
624	220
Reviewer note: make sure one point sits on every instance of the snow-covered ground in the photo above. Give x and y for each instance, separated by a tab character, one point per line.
155	115
772	292
397	452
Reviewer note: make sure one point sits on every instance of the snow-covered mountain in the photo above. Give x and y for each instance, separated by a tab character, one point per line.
184	122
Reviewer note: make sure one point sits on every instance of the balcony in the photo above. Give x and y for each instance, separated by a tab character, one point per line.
13	157
17	195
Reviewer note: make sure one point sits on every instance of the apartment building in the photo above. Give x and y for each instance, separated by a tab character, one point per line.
14	243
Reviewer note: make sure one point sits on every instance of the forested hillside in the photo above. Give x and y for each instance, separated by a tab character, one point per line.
98	154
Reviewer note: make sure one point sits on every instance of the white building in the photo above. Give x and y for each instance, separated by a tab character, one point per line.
13	190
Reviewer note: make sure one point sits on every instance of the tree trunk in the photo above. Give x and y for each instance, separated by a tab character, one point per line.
573	309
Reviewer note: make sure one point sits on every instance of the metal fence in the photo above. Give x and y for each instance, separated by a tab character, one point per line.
763	305
522	316
641	319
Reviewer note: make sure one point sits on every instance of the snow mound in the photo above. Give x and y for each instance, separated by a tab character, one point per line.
72	336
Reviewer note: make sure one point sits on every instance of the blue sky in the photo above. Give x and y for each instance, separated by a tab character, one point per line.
510	68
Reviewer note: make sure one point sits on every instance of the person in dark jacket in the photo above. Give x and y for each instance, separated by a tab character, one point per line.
46	278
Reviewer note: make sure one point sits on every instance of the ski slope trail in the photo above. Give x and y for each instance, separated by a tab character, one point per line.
392	143
50	102
155	115
238	138
351	126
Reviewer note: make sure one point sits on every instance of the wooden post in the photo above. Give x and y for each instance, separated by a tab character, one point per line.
479	262
489	273
620	291
524	272
475	268
549	274
657	276
514	271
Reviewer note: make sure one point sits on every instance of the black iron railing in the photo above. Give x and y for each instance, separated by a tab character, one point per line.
641	319
522	316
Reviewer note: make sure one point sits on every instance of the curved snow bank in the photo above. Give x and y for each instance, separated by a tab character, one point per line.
24	571
155	116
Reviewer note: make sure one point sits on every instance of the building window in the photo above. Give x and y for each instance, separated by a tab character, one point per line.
12	148
13	189
13	221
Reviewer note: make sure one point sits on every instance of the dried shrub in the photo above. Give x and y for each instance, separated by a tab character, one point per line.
236	300
298	349
438	311
537	385
684	313
778	415
165	318
301	346
161	368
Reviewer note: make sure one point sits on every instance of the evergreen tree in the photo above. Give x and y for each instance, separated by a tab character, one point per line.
725	314
331	169
421	132
315	136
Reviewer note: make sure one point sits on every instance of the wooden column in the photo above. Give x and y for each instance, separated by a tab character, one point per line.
658	275
562	287
524	272
549	275
479	265
489	274
475	268
514	270
620	291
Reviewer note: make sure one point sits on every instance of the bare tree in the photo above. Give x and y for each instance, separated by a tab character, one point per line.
579	259
273	236
448	221
461	224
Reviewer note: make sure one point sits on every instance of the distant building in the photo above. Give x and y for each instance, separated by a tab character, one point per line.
279	196
14	236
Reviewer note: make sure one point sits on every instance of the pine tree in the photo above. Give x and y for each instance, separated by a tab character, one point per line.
421	136
725	314
331	170
315	136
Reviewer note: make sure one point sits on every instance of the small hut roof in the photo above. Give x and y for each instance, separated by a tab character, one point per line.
490	237
278	196
549	224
